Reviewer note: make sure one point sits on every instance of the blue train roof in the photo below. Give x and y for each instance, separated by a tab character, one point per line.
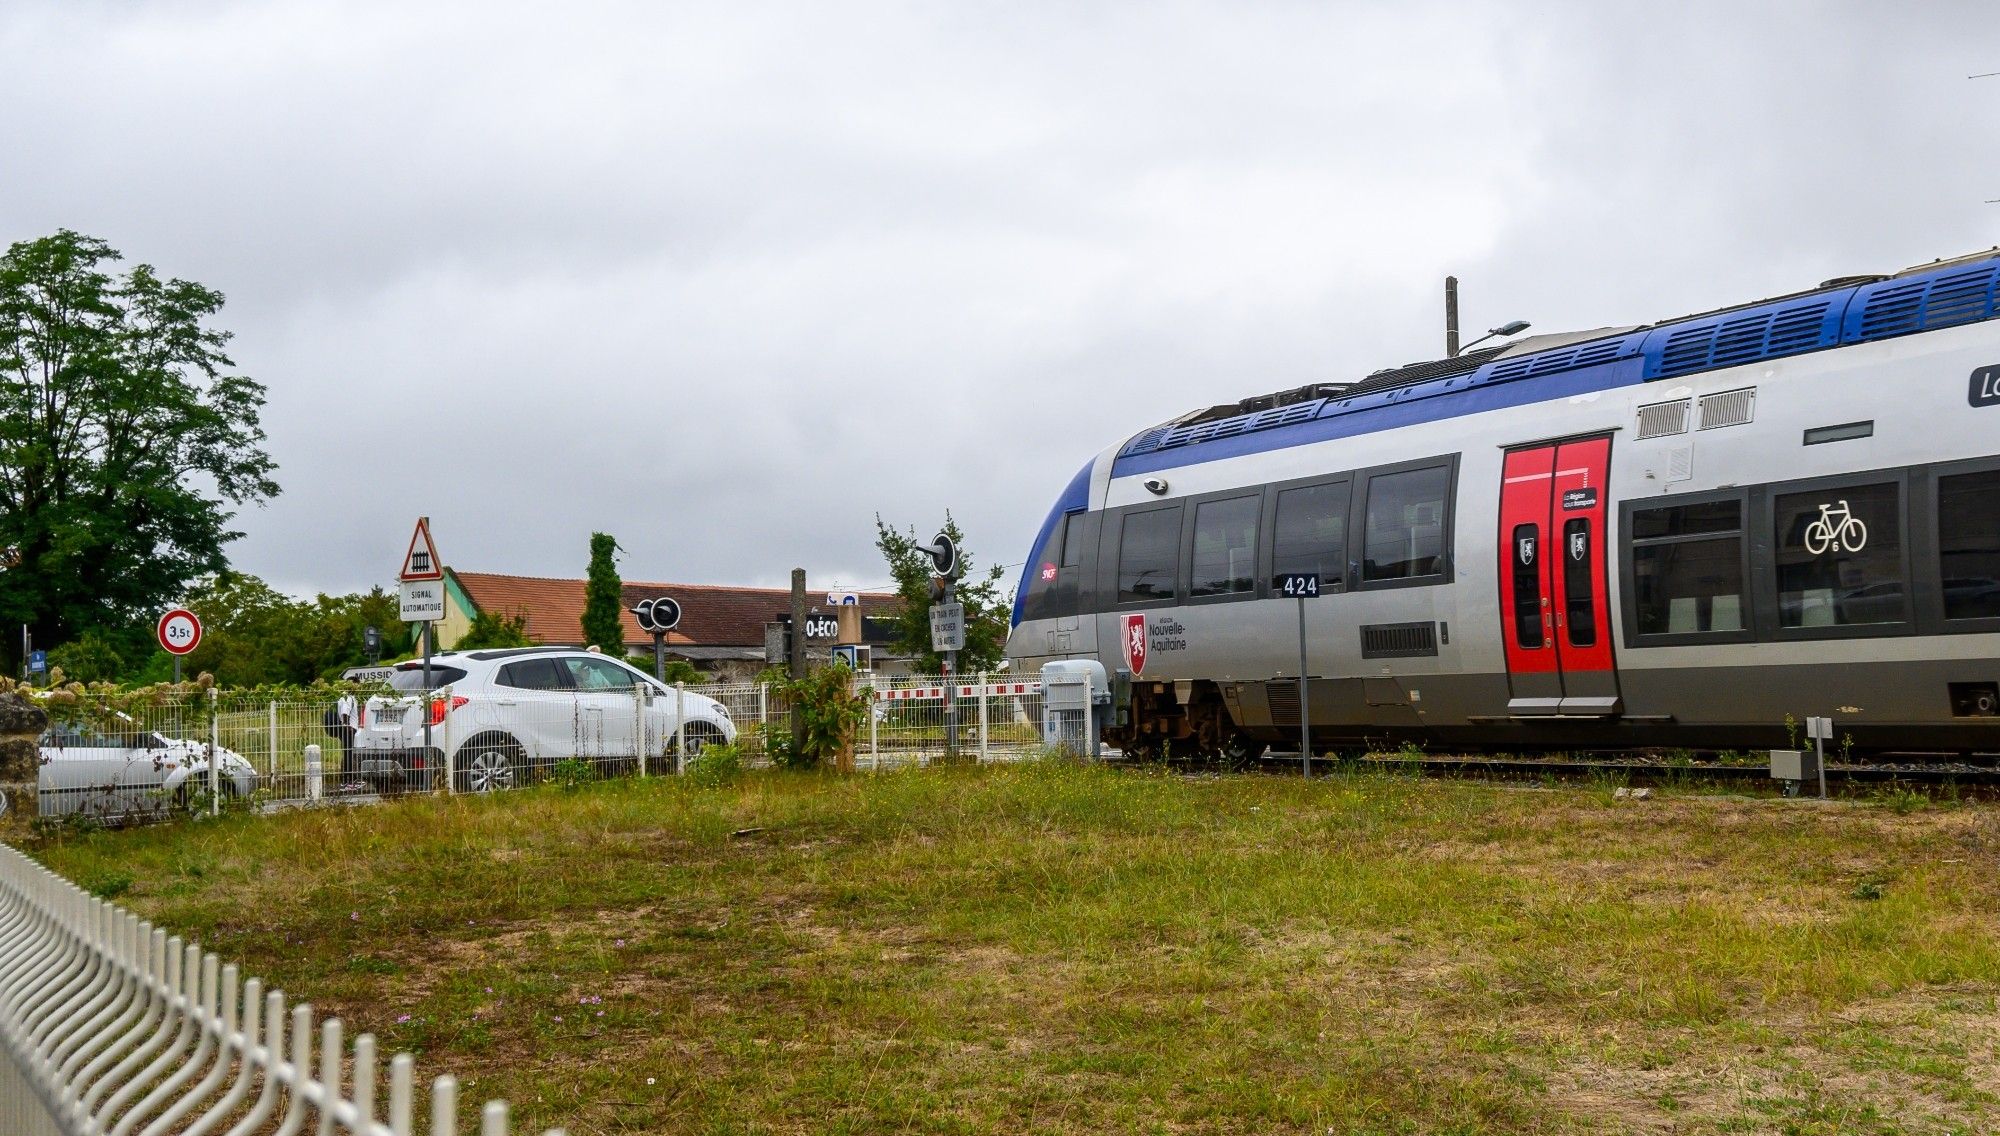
1959	292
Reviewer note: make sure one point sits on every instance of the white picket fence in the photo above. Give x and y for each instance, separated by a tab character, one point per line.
111	1027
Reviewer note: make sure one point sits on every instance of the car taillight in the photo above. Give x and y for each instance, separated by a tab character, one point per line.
439	707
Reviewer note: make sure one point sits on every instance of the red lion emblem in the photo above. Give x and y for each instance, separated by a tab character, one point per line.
1135	642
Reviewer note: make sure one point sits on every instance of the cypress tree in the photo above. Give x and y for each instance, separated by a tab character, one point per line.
603	599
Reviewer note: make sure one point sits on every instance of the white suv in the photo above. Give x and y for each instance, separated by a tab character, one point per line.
507	715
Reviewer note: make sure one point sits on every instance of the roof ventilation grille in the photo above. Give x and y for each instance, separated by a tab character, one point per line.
1177	436
1919	305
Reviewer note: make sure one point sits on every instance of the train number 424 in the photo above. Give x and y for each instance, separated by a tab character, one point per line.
1303	585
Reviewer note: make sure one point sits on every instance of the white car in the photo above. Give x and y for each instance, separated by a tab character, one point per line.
129	774
505	716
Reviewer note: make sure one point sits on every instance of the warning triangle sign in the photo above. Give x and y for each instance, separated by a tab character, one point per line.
421	561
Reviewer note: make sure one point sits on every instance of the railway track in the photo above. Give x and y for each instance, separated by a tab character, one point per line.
1979	774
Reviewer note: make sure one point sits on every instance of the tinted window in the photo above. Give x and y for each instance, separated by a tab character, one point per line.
1148	546
1840	557
599	674
1406	523
1579	606
1969	544
1311	533
533	674
1525	551
1225	546
1687	575
412	678
1052	580
1685	520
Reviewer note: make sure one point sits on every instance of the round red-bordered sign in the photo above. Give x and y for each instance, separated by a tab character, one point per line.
179	631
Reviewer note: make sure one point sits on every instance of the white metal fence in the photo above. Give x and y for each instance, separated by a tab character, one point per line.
111	760
111	1026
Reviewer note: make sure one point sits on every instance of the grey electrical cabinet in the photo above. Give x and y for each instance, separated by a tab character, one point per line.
1076	698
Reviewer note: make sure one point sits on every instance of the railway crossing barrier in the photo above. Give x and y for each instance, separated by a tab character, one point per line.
111	1027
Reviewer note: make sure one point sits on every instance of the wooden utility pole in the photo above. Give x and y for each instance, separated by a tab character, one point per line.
797	662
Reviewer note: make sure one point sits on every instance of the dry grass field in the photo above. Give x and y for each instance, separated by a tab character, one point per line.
1053	948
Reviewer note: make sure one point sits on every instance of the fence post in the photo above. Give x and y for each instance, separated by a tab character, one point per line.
874	736
680	727
641	695
763	705
984	755
214	752
314	772
273	779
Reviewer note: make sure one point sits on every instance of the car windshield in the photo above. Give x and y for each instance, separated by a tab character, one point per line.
412	678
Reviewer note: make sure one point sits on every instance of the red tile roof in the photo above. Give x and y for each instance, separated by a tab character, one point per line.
711	615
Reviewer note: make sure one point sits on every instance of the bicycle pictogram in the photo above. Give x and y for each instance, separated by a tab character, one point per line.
1823	535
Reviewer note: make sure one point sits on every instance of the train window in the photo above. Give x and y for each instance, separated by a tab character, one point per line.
1687	568
1310	533
1052	587
1969	544
1406	524
1225	547
1072	540
1579	605
1527	549
1148	546
1839	556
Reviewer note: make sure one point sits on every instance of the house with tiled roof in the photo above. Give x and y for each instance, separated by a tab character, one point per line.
723	630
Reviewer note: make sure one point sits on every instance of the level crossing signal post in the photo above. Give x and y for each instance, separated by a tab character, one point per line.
947	628
421	587
657	616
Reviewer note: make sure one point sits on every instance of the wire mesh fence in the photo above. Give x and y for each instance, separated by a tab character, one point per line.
113	759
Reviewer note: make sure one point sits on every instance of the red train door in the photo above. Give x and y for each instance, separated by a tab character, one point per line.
1554	585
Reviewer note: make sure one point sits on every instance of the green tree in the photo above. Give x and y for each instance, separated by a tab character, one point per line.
603	598
491	629
253	634
123	439
986	609
94	656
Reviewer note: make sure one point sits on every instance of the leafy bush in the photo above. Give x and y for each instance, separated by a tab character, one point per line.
571	772
715	766
831	710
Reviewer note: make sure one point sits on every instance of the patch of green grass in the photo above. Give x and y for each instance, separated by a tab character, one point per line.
1072	948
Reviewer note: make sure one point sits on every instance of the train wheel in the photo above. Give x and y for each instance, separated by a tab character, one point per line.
1240	750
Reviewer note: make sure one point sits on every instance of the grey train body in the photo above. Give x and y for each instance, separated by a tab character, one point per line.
1813	532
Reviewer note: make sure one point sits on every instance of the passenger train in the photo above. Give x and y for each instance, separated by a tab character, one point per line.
1678	534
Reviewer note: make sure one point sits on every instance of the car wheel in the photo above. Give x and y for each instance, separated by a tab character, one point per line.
489	768
701	735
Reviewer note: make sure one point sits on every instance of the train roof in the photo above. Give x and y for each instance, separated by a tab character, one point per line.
1839	312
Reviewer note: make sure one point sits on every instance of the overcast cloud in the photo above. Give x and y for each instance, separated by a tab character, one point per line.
726	280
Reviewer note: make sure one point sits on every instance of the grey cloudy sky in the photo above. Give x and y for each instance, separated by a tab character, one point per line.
725	280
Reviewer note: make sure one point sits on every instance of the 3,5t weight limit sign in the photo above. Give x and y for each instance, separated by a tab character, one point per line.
179	631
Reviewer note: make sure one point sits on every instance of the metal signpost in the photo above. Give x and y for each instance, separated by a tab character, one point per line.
947	627
658	616
1820	730
179	632
1301	585
422	586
